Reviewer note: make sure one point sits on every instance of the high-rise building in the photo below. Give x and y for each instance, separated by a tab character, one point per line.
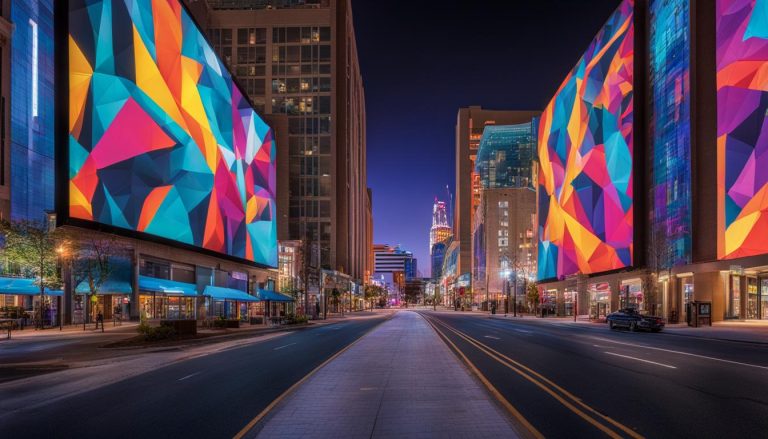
503	229
470	123
6	30
440	230
369	258
299	58
190	200
393	260
437	253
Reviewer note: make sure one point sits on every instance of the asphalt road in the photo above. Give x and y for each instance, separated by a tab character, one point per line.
576	380
213	396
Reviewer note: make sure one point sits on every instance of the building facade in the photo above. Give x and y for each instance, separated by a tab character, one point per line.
504	222
686	231
470	124
173	258
299	58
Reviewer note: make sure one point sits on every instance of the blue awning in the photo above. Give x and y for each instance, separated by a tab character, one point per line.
222	293
22	286
168	287
273	296
108	287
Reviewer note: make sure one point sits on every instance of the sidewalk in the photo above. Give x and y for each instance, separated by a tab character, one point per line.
739	331
400	380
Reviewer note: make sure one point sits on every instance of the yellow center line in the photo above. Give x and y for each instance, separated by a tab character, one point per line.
499	397
516	366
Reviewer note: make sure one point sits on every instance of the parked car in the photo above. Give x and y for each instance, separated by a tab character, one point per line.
631	319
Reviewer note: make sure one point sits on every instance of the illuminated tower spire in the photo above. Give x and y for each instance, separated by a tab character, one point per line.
440	230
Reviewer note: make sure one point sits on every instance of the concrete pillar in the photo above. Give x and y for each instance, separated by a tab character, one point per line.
135	306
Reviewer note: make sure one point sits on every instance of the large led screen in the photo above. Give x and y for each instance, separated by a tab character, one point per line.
161	140
585	204
742	127
669	44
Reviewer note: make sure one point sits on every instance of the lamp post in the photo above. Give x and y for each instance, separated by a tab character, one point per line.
514	303
61	251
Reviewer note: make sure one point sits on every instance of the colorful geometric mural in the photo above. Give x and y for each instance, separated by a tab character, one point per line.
161	140
585	204
670	55
742	127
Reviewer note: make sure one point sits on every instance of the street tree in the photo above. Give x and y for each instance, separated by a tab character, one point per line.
659	261
93	261
32	247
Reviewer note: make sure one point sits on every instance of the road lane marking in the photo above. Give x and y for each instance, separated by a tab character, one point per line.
640	359
189	376
283	346
499	397
492	337
298	383
511	364
682	353
524	331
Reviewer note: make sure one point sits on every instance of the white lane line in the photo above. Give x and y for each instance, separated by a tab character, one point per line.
524	331
490	336
189	376
640	359
284	346
683	353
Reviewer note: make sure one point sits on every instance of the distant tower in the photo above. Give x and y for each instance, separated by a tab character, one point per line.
440	230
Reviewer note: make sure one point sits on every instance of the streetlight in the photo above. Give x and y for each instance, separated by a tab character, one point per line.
61	251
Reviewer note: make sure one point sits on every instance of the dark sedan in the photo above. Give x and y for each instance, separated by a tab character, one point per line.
634	321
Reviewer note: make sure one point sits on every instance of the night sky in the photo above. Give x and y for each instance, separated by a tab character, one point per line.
422	60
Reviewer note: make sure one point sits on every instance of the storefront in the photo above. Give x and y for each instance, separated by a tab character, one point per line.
599	300
549	303
631	295
20	300
112	300
275	304
565	302
229	303
166	299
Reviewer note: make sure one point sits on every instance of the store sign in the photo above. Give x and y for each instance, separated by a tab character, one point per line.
239	276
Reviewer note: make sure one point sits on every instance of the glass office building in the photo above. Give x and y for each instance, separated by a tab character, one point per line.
506	154
31	112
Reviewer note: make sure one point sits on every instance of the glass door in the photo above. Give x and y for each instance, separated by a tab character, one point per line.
752	298
764	299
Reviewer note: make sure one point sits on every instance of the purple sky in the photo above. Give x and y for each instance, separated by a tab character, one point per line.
421	61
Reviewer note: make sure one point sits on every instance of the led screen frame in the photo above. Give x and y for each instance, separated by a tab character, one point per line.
741	40
599	256
268	177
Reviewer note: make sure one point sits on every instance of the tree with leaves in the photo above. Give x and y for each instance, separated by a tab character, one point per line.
32	246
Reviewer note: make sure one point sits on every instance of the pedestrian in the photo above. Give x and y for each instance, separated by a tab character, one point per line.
100	320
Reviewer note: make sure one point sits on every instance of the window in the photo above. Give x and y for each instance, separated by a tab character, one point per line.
325	34
325	53
293	35
503	223
325	209
503	204
503	242
324	106
325	144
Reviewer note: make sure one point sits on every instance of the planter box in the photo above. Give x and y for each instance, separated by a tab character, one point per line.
182	327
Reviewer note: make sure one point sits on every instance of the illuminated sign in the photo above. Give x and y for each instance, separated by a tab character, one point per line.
161	140
586	198
742	128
